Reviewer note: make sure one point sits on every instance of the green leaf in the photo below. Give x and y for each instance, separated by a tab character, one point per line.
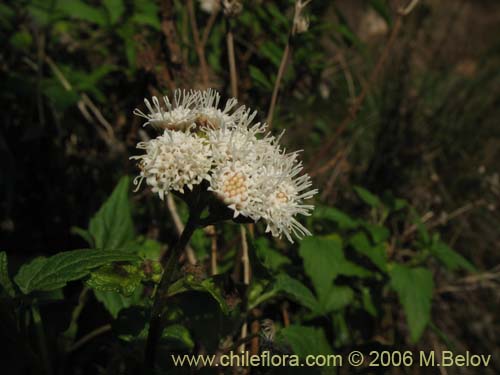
376	254
21	40
450	258
80	10
324	260
83	233
367	301
367	197
178	333
422	229
123	279
189	283
270	258
343	220
338	298
305	341
146	13
272	52
277	14
260	78
112	227
378	233
297	291
5	282
414	287
115	9
46	274
292	288
115	302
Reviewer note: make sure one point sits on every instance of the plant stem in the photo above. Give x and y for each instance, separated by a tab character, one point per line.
277	83
232	60
42	342
156	323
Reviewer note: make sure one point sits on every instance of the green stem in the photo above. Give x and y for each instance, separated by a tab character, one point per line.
156	323
42	342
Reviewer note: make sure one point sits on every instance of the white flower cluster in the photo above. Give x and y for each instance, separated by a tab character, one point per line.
245	168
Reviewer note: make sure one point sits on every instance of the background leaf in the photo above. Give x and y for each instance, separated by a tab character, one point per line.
367	197
112	227
414	287
115	9
450	258
305	341
324	260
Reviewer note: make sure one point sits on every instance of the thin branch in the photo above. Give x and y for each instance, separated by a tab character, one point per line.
85	102
88	337
407	10
171	267
198	45
232	61
277	84
212	233
208	28
245	261
299	7
179	227
169	31
356	106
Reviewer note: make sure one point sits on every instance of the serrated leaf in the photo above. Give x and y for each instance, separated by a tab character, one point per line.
414	287
5	281
367	197
450	258
46	274
376	254
112	227
123	279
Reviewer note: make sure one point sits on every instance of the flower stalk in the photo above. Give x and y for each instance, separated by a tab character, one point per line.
171	268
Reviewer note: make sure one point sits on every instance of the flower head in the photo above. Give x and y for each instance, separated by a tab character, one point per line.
209	115
176	115
174	161
246	168
284	197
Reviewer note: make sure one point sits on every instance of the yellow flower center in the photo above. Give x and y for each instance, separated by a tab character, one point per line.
282	197
234	185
